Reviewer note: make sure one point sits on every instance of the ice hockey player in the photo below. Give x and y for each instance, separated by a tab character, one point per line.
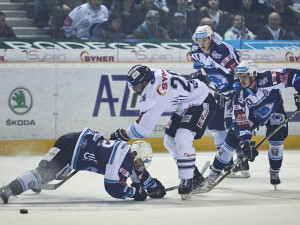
218	60
88	150
258	100
192	106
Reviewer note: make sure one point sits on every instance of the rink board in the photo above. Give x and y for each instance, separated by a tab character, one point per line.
66	97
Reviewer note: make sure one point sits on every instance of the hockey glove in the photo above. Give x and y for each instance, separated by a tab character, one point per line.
249	149
297	100
158	191
198	75
117	135
140	194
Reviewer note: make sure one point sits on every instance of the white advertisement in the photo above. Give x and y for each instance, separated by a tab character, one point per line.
47	100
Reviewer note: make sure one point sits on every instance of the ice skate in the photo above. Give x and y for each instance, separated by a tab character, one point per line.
243	172
208	183
5	193
197	178
274	178
185	188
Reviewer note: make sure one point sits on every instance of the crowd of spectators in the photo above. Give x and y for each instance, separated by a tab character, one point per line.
168	19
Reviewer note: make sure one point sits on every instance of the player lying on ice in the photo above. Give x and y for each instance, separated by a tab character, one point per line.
257	101
192	106
116	160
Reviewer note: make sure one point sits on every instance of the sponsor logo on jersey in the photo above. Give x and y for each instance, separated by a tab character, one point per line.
241	119
161	88
186	118
124	172
274	76
203	115
20	100
284	77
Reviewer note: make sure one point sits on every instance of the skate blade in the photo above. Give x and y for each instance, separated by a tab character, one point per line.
186	196
275	187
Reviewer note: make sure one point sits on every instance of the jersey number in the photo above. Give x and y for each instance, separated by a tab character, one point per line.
186	86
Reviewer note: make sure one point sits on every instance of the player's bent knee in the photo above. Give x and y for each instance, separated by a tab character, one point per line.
184	138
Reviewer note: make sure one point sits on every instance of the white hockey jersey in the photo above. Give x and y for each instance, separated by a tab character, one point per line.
166	92
85	22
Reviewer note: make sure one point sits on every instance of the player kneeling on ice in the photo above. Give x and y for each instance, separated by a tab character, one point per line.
257	101
192	106
88	150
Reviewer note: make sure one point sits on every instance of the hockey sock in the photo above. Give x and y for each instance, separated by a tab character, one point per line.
24	182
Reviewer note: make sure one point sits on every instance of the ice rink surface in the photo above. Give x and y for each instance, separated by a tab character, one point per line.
83	200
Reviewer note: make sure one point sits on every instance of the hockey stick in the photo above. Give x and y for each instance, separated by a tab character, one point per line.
214	90
204	168
57	185
239	163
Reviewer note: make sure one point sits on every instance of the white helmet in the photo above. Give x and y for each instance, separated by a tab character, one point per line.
203	32
248	66
143	150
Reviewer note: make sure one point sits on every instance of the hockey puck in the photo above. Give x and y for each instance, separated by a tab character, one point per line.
23	211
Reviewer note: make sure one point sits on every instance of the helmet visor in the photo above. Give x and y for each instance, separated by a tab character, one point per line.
135	88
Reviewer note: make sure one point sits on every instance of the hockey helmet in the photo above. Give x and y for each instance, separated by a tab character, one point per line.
203	32
137	75
143	150
247	66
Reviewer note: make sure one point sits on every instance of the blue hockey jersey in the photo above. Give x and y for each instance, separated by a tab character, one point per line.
113	160
218	66
258	106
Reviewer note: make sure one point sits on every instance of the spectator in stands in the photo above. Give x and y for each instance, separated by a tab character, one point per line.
129	16
177	28
87	21
273	31
220	18
238	31
191	15
42	10
288	17
208	21
254	13
150	29
5	30
59	14
162	4
147	5
114	30
230	6
297	29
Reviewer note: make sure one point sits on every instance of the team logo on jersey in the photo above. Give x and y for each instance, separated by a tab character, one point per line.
215	55
20	100
262	81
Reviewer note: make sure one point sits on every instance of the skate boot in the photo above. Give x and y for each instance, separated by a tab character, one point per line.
244	169
274	178
208	183
5	193
197	178
185	188
228	166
